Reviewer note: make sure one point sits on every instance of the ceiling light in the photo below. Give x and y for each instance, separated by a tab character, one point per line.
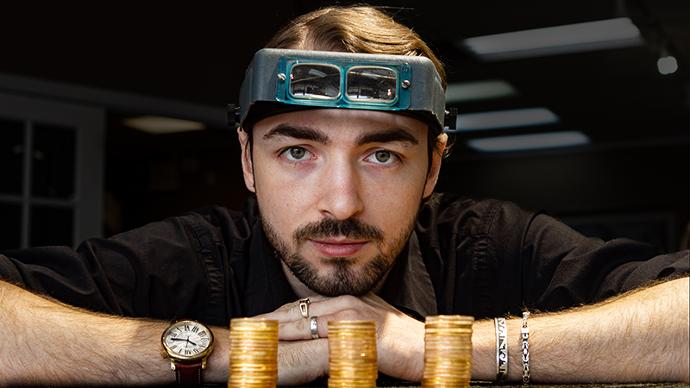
529	142
511	118
162	125
597	35
478	90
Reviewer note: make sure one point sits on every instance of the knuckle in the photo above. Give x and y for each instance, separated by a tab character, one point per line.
349	300
348	314
301	325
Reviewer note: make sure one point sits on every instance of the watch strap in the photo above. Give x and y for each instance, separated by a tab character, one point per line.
188	374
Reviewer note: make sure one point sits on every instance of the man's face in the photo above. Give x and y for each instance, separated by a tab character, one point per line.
338	191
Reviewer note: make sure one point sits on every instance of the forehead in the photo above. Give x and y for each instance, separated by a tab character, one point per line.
344	123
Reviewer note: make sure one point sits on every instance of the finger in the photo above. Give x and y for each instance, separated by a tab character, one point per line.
287	312
278	315
293	330
301	329
333	305
318	298
319	305
378	303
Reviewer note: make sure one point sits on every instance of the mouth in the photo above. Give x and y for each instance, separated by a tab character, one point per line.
338	247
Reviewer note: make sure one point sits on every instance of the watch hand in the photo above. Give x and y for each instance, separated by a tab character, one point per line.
177	339
191	341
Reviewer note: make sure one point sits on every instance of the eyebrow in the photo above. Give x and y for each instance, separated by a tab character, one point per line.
307	133
297	132
387	136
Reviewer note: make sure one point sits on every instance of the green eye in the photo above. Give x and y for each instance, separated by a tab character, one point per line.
382	156
297	153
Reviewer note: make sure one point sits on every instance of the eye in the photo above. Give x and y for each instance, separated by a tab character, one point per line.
295	154
382	157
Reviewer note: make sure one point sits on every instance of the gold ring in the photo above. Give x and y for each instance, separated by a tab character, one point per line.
304	307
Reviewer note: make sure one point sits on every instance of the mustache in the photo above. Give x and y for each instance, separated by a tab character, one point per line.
329	227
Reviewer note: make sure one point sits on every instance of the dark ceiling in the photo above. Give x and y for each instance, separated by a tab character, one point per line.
198	51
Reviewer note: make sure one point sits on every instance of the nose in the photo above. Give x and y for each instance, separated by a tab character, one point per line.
340	195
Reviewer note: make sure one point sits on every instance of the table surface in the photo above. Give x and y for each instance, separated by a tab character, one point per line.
483	384
388	382
478	384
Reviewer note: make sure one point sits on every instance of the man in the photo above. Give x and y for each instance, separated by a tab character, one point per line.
345	215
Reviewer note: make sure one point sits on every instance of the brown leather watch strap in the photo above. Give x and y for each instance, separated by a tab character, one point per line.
188	374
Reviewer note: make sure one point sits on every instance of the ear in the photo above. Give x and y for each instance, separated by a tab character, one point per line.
436	157
247	166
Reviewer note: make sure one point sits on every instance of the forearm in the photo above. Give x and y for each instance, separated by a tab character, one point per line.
642	336
302	361
46	342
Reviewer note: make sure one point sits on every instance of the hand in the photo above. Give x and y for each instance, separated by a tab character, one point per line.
400	338
299	362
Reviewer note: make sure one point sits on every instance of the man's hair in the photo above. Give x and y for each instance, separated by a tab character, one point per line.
356	29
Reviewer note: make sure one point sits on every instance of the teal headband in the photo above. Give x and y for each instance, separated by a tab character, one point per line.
281	80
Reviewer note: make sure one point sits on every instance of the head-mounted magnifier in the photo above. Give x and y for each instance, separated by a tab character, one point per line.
283	80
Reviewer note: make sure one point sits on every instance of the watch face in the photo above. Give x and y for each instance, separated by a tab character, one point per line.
187	340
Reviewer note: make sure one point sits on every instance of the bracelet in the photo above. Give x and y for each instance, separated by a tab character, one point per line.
524	331
501	349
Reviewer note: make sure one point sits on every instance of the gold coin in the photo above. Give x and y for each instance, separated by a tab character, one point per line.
253	353
352	354
447	351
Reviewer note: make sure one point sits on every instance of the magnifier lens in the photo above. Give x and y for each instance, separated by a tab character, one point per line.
315	81
372	84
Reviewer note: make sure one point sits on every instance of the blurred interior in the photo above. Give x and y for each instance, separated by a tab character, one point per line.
123	111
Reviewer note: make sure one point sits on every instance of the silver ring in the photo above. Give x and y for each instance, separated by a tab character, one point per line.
304	307
314	327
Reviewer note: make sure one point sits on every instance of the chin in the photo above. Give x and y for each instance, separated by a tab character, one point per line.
341	276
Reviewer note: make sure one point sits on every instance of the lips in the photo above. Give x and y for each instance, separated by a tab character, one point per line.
338	248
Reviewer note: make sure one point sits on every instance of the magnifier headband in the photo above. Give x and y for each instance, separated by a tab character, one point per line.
290	79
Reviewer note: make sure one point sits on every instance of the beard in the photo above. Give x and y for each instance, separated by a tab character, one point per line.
342	278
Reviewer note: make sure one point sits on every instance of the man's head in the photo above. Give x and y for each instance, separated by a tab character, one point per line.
339	189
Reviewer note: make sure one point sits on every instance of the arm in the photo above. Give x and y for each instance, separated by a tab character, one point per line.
302	361
639	336
46	342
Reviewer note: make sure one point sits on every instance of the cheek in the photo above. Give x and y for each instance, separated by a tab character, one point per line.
394	201
283	199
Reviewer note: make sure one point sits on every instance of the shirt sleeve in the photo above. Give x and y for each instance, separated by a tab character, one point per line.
561	267
167	270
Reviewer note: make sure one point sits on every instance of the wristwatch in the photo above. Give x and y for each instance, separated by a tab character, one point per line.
188	345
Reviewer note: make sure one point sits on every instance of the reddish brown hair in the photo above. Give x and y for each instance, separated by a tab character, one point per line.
356	29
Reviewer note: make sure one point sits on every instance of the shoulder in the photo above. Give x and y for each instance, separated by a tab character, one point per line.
203	227
471	216
220	222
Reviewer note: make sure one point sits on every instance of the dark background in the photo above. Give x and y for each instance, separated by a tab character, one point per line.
632	180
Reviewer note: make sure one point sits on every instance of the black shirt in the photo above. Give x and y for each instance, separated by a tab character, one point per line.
475	257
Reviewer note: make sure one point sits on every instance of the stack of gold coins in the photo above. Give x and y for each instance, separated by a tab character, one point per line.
352	354
447	351
253	353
